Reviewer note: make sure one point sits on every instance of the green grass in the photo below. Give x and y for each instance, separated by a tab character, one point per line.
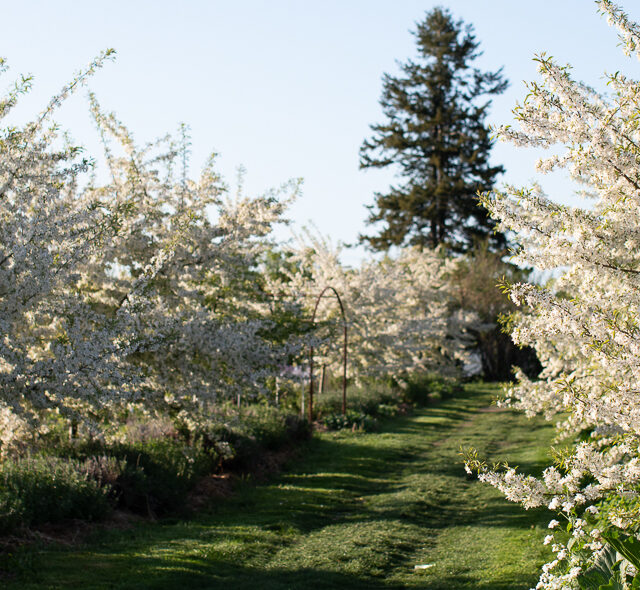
358	511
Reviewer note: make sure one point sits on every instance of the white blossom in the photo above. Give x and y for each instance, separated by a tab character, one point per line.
398	310
136	291
583	324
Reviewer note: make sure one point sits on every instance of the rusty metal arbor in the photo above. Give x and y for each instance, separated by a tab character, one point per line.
344	353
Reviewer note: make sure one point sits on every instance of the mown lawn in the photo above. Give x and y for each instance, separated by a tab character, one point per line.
358	511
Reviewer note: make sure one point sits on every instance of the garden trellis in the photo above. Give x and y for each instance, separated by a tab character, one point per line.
344	352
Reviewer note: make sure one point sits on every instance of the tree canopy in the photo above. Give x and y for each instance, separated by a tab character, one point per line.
583	324
435	135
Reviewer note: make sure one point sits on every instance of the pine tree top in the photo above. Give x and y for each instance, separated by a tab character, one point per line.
436	138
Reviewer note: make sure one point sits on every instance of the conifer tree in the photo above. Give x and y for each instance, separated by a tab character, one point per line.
436	136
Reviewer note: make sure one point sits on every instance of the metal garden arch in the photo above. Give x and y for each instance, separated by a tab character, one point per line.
344	354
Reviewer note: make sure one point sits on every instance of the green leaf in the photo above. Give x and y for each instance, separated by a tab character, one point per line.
602	572
627	546
613	584
592	579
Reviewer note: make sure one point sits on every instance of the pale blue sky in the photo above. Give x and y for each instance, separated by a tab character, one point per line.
286	88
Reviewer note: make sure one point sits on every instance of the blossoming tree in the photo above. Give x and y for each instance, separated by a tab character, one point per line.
52	352
135	290
398	309
583	325
207	303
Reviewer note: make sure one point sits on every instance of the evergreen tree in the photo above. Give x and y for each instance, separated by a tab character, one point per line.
435	134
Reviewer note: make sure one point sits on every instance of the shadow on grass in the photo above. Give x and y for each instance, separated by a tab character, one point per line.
460	582
339	487
197	574
136	572
401	481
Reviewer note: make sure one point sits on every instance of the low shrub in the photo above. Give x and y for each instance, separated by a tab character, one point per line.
41	489
368	399
158	473
388	410
422	388
374	400
147	475
267	425
241	437
352	420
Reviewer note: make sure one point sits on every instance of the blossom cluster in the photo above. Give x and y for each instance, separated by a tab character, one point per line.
584	323
135	291
161	292
399	310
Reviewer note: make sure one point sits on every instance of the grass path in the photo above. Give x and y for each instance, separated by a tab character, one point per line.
359	511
